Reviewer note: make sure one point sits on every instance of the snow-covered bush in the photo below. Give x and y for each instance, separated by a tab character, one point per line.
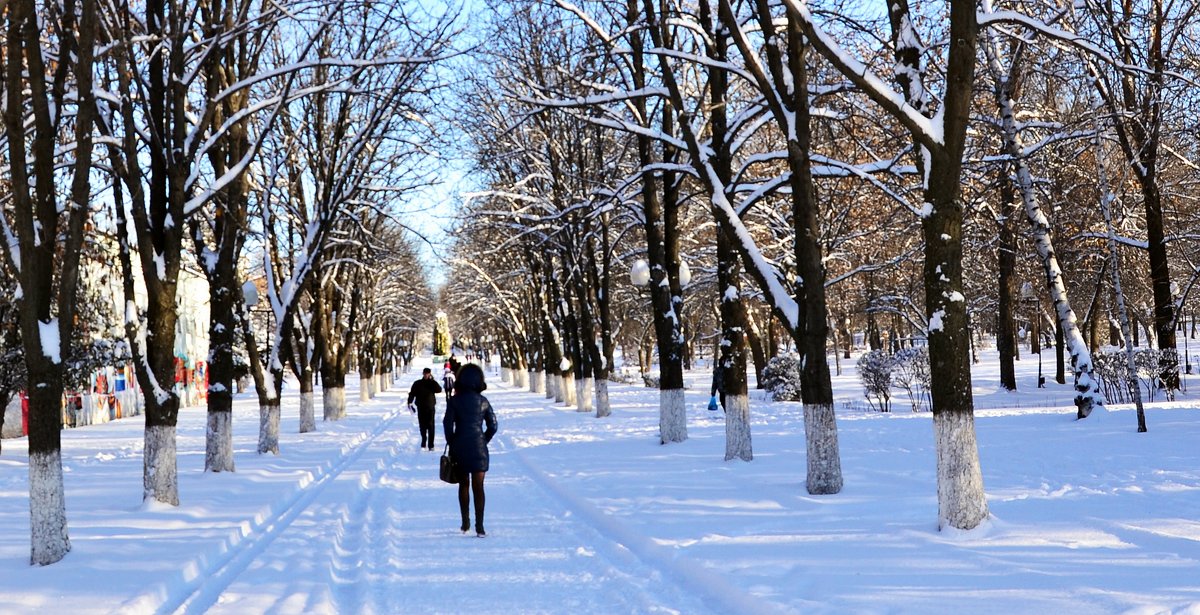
1109	366
910	372
1112	370
781	377
875	372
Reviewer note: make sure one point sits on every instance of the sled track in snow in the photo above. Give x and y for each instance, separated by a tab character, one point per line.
690	577
358	538
205	578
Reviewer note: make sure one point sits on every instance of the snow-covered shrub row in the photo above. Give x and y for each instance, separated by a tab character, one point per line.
1112	369
907	369
781	377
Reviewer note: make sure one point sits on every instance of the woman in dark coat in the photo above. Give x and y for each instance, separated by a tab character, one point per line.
466	413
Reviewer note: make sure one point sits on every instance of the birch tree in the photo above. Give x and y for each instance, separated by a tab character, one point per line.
1006	75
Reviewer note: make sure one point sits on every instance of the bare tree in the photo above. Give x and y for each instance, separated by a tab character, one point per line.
48	62
941	135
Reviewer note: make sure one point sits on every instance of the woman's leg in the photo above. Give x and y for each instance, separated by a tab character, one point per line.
477	491
463	502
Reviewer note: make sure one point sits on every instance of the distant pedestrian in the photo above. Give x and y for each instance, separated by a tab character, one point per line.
424	392
466	414
448	380
718	386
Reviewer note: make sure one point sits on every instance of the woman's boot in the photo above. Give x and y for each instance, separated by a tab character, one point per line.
462	508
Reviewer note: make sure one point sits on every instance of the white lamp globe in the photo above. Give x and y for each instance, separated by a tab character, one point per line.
639	274
685	274
250	294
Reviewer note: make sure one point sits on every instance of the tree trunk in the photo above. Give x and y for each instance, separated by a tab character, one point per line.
1087	387
365	383
672	421
47	506
1060	366
222	329
962	503
661	226
268	427
735	321
308	410
218	450
737	428
756	348
816	390
603	406
1131	379
160	475
1006	336
334	399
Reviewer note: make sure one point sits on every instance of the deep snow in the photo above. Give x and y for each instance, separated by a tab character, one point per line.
589	515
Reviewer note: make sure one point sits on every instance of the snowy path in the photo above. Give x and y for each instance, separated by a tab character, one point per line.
376	530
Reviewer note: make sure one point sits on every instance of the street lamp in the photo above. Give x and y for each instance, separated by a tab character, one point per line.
1030	296
1187	360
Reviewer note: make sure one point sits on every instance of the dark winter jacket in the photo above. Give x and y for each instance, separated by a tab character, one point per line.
425	392
466	413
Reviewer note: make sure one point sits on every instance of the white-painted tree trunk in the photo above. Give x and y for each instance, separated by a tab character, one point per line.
268	428
585	388
603	408
49	542
218	450
364	390
824	458
570	390
737	428
308	412
672	416
550	383
522	378
334	403
505	375
160	477
559	394
962	503
537	382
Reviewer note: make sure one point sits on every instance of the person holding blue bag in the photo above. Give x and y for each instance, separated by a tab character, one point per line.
718	387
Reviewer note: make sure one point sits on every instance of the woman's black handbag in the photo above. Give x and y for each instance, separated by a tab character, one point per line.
448	472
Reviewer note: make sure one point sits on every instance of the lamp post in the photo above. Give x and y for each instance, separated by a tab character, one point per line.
639	276
1030	296
379	383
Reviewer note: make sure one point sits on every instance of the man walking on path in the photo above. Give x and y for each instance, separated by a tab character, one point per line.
425	391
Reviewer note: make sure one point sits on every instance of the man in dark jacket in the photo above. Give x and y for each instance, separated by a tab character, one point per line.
425	392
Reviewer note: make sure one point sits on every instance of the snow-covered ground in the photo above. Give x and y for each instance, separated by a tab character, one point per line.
594	516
